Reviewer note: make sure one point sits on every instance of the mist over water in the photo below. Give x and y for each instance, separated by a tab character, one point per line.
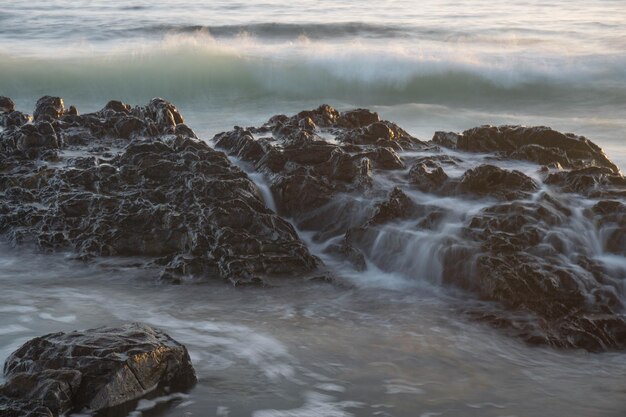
393	345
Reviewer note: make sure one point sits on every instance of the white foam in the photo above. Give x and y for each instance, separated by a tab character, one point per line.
316	405
13	328
400	386
17	309
330	387
61	319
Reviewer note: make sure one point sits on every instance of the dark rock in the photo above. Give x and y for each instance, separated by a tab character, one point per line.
525	256
523	252
184	130
610	216
128	126
308	171
323	116
29	140
350	254
117	106
357	118
592	182
6	105
385	158
538	144
49	108
489	180
14	118
163	195
381	133
93	369
397	206
427	178
165	115
144	186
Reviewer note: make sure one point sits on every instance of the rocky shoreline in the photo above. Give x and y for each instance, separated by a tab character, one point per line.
518	251
137	182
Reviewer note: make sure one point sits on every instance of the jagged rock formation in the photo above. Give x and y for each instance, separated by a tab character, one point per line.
93	369
137	182
538	144
307	172
456	210
532	245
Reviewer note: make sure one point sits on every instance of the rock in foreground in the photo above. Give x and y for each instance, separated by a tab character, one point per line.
93	369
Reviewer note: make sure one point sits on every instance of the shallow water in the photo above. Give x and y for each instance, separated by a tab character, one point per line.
314	349
390	346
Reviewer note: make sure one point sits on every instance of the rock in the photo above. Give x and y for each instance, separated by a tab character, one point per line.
94	369
357	118
307	171
594	182
129	126
323	116
137	182
164	114
610	216
538	144
381	133
525	256
489	180
397	206
49	108
117	106
526	251
15	118
427	178
148	189
9	116
385	158
6	105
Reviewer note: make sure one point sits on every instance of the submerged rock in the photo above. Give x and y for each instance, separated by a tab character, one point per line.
137	182
92	370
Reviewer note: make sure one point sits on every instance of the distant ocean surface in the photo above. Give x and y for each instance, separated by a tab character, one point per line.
428	65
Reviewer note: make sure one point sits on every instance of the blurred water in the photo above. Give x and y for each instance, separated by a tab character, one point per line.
314	350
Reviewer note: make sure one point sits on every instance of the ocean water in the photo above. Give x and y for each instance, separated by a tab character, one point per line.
428	65
392	346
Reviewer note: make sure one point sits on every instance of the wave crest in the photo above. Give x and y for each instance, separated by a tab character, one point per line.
184	66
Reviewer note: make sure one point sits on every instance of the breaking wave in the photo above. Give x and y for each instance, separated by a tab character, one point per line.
187	66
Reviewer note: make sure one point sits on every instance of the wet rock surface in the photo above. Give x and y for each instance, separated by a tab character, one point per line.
137	182
307	171
532	244
489	180
526	220
92	370
538	144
